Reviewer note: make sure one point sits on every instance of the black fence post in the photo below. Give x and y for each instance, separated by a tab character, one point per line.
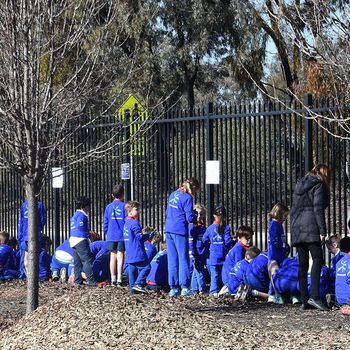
308	133
126	156
210	156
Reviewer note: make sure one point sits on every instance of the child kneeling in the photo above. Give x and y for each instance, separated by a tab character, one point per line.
136	257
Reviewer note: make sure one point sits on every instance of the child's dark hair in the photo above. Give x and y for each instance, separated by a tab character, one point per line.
45	240
132	204
345	245
13	242
278	212
244	231
220	213
118	191
252	252
82	202
4	237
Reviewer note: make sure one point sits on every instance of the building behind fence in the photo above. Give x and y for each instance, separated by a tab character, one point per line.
263	150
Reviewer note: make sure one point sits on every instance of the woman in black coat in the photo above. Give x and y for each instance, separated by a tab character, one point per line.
308	230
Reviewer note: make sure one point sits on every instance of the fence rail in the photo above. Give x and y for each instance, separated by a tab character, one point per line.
262	149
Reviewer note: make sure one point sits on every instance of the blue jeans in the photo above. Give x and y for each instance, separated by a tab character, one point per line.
82	262
215	278
198	279
138	273
178	260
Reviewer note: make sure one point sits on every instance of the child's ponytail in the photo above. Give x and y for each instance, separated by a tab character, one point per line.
220	216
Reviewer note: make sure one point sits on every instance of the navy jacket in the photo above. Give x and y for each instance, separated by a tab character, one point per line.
310	200
198	249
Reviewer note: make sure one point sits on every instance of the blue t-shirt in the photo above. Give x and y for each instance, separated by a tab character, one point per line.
151	250
198	250
23	221
65	246
44	265
332	271
134	241
159	270
257	275
79	225
179	213
7	260
114	219
342	280
235	254
286	279
236	276
98	248
219	243
275	248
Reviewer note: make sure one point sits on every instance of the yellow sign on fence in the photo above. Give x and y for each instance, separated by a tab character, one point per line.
137	115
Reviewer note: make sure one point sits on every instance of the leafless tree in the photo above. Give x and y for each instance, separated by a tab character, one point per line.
56	59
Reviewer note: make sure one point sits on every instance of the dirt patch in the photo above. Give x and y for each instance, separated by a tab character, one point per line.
111	318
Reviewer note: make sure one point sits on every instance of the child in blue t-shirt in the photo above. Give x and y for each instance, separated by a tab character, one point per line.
198	250
158	275
23	233
13	244
151	245
257	276
237	253
113	223
218	234
60	261
236	275
179	213
334	248
45	259
342	278
7	262
136	257
79	242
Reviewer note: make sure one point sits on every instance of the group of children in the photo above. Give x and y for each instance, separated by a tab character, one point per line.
220	263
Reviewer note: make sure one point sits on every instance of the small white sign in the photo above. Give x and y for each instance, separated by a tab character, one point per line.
57	177
125	171
212	172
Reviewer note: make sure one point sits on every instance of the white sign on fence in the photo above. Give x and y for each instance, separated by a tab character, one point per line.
125	171
212	172
57	177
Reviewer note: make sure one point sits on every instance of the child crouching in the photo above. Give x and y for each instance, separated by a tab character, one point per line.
136	257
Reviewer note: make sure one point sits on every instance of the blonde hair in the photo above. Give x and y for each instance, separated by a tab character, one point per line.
322	172
278	211
202	214
189	185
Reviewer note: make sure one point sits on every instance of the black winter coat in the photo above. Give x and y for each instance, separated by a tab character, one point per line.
310	200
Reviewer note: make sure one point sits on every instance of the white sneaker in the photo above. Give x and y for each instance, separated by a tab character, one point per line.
63	275
55	276
295	300
271	299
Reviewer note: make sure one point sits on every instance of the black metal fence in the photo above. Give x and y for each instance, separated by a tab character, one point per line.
262	148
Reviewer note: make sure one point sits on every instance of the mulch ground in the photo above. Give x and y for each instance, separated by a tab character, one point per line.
111	318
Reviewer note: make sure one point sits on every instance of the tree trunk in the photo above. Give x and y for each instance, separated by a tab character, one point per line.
33	248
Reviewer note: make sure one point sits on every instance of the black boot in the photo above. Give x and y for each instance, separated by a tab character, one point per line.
318	304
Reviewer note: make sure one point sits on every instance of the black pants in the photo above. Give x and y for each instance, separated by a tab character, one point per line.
303	250
83	262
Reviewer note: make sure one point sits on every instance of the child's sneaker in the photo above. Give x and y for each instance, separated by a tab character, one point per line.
63	275
185	292
223	290
139	289
215	295
295	300
174	292
245	292
279	299
271	299
55	276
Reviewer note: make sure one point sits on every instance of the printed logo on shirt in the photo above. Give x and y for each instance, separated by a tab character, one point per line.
81	223
116	214
342	267
217	239
174	200
126	234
